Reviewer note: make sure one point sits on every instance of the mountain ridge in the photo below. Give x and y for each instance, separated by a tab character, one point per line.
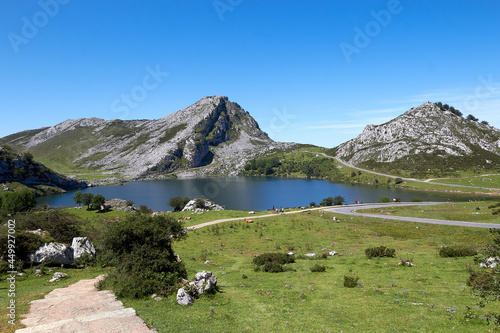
426	132
213	134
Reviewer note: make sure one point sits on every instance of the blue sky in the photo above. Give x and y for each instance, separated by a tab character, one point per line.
310	72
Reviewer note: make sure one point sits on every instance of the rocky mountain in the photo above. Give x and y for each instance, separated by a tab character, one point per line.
211	137
17	168
426	136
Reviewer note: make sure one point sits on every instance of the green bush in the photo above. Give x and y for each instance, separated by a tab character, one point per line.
416	199
318	268
457	251
351	281
14	202
380	251
140	247
178	203
384	199
272	262
26	243
62	226
281	258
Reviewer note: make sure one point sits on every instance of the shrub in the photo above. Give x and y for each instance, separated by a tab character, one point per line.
398	180
380	251
178	203
140	247
318	268
143	209
417	200
26	243
272	262
14	202
457	251
61	225
351	281
384	199
312	204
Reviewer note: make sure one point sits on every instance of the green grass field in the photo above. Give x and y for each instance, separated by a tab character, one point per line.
430	297
477	211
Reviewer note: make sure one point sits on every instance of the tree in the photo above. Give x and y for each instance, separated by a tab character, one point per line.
77	198
140	247
485	281
178	203
85	198
472	118
338	200
327	201
28	157
97	201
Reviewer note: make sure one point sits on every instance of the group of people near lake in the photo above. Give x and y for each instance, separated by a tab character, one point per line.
278	210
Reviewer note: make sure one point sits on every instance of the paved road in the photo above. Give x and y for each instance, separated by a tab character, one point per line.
352	210
408	179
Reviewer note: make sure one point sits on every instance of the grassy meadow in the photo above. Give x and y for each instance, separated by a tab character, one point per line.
476	211
429	297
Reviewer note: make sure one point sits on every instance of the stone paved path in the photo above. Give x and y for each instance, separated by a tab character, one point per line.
81	308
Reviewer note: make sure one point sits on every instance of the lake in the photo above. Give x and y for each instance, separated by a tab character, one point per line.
246	193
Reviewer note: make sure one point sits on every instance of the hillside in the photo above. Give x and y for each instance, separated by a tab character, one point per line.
22	169
211	137
425	140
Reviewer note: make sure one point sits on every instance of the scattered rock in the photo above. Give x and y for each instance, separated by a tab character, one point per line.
57	276
38	272
332	253
491	262
36	232
55	253
310	255
201	205
208	262
183	298
81	245
291	253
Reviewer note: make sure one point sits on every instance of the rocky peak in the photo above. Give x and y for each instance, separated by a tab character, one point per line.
423	129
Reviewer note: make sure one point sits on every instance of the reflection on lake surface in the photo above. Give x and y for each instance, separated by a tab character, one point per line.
247	193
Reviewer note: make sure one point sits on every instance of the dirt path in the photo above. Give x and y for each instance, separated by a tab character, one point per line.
80	308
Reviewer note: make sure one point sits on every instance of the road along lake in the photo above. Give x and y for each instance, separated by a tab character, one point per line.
248	193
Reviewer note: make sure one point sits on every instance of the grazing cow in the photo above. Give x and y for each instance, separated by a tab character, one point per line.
248	221
187	217
179	220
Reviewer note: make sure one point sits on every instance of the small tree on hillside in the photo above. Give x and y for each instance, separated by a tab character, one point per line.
97	201
338	200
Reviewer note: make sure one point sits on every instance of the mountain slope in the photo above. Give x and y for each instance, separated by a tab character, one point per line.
213	133
22	169
425	137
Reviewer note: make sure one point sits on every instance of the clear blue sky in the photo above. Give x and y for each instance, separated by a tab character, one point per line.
308	71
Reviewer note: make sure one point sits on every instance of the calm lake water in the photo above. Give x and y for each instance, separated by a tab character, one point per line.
246	193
